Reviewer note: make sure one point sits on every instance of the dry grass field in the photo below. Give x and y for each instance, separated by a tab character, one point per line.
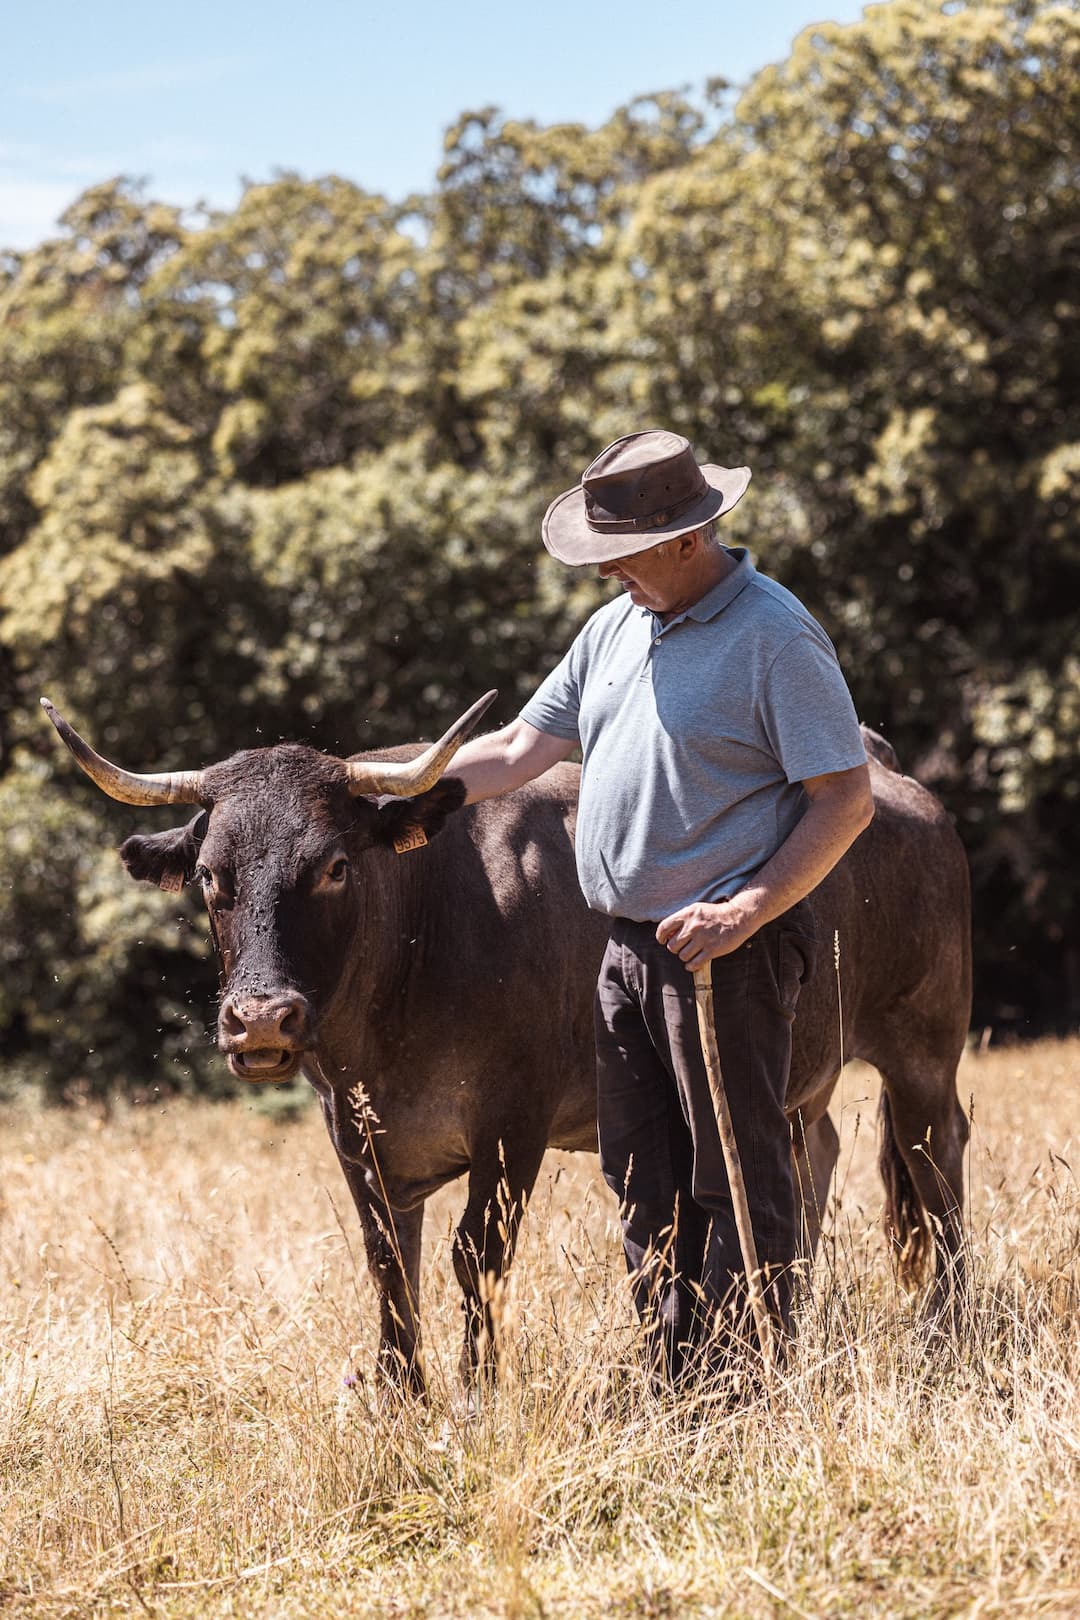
182	1290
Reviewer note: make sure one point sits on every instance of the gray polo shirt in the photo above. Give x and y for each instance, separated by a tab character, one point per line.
695	737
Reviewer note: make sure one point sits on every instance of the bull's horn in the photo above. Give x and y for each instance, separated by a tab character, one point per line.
166	787
404	778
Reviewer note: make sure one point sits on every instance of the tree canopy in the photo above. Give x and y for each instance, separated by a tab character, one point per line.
280	471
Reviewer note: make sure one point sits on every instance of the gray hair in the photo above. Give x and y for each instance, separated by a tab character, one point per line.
709	532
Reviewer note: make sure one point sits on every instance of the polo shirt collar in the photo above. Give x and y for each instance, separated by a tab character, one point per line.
723	592
727	589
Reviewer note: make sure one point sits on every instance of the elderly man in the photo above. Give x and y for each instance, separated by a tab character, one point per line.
723	776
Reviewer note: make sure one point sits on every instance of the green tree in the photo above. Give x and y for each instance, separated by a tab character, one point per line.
116	988
131	599
284	318
131	605
409	589
67	309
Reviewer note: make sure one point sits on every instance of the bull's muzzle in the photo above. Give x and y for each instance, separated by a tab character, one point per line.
265	1037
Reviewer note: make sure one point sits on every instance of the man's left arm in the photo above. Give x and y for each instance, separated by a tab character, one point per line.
841	806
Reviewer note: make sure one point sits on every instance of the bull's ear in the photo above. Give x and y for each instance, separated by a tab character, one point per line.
427	813
166	858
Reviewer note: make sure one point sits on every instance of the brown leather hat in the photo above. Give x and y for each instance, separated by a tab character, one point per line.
642	489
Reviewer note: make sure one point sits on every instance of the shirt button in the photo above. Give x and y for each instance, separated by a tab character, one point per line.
656	641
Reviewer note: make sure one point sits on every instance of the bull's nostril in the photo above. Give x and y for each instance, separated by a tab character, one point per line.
292	1021
230	1023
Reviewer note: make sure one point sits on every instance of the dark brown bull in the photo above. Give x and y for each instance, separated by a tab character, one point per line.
439	1000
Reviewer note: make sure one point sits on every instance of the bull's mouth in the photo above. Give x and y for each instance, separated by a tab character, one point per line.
265	1063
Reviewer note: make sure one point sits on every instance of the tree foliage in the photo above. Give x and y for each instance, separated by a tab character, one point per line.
279	472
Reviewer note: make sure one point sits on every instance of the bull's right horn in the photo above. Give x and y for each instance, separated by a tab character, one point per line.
165	787
404	778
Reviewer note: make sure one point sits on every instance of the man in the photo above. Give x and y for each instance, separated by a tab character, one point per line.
723	776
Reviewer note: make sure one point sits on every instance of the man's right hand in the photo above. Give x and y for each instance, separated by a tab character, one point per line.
699	932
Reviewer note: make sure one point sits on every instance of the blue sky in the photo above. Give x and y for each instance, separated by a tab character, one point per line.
197	97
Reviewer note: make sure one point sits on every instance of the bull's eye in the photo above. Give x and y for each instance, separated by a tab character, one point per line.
217	891
339	871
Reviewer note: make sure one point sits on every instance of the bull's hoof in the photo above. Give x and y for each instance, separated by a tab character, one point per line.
944	1318
398	1379
468	1404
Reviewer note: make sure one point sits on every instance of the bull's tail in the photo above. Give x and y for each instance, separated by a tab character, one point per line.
907	1225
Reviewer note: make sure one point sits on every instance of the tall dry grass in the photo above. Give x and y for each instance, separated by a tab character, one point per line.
182	1291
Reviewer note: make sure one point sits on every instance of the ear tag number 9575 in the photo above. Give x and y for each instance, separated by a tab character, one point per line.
411	838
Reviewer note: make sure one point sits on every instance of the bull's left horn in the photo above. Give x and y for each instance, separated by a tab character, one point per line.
405	778
166	787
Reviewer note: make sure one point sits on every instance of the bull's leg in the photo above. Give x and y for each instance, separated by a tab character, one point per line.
501	1177
924	1134
815	1149
392	1243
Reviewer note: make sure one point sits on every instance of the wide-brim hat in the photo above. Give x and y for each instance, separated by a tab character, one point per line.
642	489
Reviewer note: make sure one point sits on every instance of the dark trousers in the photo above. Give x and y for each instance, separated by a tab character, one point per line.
659	1144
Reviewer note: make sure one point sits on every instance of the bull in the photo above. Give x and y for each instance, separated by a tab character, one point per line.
436	991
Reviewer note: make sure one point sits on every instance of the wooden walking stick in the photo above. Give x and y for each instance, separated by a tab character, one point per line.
706	1013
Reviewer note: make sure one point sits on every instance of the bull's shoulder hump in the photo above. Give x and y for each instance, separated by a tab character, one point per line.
879	748
902	797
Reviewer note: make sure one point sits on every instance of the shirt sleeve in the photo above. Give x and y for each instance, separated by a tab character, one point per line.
555	705
808	714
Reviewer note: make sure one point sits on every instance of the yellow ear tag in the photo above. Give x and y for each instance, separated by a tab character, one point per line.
411	838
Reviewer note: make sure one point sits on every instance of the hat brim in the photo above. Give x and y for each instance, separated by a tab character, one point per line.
568	537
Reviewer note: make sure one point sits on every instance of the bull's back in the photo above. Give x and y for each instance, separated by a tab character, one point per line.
894	931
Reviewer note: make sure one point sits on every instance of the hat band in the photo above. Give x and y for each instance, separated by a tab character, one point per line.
604	523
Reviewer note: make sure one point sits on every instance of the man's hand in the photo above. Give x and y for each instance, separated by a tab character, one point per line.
697	933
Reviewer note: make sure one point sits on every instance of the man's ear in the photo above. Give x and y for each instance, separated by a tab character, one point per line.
166	858
426	814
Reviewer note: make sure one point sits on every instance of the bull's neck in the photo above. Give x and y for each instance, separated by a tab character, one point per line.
367	1018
